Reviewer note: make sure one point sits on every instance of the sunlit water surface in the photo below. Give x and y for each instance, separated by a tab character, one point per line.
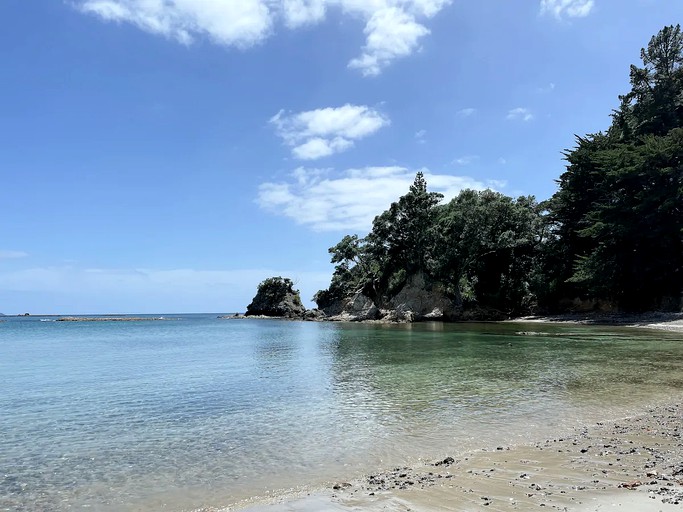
196	411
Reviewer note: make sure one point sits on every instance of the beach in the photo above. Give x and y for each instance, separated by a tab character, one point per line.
628	464
631	464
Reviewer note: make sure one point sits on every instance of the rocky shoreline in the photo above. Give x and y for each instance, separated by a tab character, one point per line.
665	321
634	463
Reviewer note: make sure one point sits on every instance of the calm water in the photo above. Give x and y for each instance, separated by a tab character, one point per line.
198	411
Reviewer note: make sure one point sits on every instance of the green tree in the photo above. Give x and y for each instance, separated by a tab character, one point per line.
617	216
400	240
486	242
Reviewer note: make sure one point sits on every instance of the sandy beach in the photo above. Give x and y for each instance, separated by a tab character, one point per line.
655	320
632	463
629	464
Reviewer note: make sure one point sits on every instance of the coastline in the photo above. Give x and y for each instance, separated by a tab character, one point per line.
634	463
664	321
653	320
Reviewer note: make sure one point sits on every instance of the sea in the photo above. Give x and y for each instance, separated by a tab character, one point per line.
193	411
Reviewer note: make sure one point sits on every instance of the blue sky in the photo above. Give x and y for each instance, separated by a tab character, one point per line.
167	155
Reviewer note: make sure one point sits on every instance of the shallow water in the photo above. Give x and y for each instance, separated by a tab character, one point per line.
196	411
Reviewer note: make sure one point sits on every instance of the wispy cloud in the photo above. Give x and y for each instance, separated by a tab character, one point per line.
520	114
547	89
350	200
567	8
12	255
420	136
466	112
393	28
466	160
73	289
323	132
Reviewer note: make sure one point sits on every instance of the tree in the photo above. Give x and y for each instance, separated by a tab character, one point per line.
655	103
486	242
400	238
617	215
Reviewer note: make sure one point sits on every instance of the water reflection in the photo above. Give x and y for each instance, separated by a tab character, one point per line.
439	381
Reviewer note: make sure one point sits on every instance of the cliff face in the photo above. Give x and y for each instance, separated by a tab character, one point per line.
417	300
355	308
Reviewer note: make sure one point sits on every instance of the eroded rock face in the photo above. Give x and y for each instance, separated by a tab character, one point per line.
419	300
357	308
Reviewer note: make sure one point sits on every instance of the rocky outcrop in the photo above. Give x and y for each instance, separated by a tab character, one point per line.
276	297
356	308
417	300
420	300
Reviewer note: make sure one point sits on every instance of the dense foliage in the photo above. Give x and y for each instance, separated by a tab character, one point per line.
618	215
612	232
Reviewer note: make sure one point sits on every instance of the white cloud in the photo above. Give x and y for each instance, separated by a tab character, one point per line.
567	8
349	201
496	184
390	33
323	132
466	112
502	161
230	23
303	12
392	28
12	255
520	114
420	136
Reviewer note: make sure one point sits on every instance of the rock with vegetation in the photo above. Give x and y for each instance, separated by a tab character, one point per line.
276	297
611	237
425	260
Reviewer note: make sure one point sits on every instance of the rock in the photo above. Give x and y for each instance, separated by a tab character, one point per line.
630	485
315	315
357	308
419	299
276	297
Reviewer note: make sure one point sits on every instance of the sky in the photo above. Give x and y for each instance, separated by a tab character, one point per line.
165	156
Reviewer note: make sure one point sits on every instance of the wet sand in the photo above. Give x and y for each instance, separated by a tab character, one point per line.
630	464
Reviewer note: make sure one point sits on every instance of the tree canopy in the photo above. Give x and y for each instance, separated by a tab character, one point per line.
613	231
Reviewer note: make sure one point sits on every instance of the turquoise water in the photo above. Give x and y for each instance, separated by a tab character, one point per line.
196	411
